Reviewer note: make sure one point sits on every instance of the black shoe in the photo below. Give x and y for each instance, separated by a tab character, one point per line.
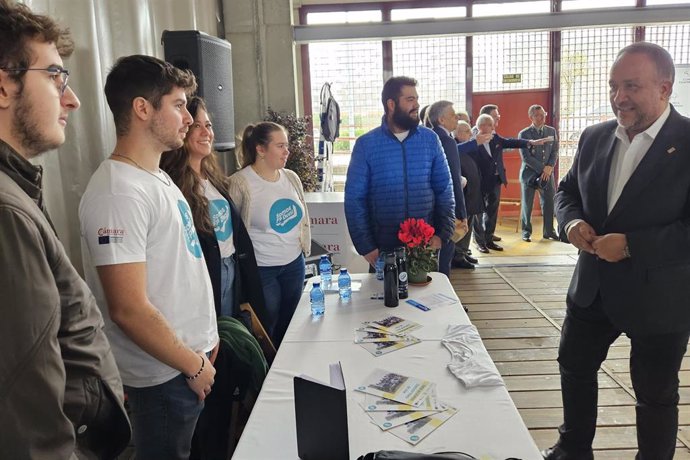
551	236
495	238
482	248
494	246
557	453
471	259
462	263
526	239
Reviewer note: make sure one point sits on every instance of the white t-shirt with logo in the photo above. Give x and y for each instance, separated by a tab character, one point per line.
276	213
221	218
127	216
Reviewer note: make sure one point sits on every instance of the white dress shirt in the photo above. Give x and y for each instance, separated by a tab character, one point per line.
627	155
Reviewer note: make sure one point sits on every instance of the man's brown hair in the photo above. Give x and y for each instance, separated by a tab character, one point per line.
18	26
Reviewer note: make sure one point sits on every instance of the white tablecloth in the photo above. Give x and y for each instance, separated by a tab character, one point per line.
487	424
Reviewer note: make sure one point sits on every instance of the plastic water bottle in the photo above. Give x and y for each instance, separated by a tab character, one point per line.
379	267
318	305
325	269
345	284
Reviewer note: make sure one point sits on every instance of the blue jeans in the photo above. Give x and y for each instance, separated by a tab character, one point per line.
282	286
227	285
164	417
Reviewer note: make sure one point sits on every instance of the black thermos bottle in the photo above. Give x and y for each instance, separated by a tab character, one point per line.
390	281
401	262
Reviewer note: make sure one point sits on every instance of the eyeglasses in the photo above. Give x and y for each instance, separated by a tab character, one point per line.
57	74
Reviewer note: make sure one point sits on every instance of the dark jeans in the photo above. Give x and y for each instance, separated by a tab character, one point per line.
445	257
654	364
546	199
485	225
163	419
283	285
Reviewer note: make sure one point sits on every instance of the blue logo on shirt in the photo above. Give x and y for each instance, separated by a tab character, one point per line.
220	218
190	237
284	215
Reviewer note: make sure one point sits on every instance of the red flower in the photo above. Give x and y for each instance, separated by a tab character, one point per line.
416	234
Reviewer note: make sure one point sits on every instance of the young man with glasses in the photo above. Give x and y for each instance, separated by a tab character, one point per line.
60	391
144	259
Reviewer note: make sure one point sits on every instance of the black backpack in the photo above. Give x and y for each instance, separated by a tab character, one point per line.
330	114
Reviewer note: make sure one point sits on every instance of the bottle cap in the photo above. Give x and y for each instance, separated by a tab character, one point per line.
316	284
343	270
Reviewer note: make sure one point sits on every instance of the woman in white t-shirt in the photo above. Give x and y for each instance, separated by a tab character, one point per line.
271	201
226	245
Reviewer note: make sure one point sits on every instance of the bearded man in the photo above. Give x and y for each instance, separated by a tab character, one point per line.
397	171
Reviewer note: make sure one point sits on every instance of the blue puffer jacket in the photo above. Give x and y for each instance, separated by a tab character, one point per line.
389	181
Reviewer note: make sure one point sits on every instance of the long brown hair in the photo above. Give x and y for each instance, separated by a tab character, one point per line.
253	136
176	164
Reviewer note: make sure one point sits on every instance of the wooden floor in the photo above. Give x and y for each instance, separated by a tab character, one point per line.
519	311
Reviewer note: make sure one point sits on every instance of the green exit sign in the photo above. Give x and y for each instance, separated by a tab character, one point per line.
512	77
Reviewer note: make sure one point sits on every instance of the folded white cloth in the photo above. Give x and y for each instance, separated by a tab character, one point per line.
470	362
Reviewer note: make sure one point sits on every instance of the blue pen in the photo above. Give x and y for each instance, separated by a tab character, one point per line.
416	304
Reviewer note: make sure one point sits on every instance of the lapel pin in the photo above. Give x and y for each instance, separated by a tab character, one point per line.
671	150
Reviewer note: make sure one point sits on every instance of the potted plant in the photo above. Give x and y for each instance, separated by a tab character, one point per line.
416	235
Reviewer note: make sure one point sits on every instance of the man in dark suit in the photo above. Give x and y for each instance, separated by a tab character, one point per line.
626	205
490	162
537	164
474	201
443	121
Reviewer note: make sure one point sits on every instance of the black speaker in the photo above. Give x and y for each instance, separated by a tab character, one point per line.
210	59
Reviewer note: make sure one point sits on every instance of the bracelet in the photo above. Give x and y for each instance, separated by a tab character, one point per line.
200	370
626	252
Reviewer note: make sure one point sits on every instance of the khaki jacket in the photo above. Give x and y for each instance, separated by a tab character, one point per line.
60	392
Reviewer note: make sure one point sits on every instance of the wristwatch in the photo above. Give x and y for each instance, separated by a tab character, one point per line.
626	252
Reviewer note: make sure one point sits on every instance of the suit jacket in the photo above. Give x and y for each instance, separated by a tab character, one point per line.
535	158
450	148
474	202
648	293
491	166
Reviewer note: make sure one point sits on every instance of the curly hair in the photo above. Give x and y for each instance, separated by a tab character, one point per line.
176	164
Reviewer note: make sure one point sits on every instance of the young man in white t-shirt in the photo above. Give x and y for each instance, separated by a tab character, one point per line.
143	259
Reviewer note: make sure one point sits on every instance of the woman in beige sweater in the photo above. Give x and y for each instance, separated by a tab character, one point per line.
270	199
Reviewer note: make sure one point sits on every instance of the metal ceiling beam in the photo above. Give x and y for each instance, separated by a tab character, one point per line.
476	26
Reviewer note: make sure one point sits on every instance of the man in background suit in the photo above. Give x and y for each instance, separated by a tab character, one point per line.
474	201
443	120
538	162
490	162
626	205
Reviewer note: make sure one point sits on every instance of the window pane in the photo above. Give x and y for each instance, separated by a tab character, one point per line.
344	17
676	39
592	4
509	9
438	64
428	13
526	54
586	57
667	2
355	70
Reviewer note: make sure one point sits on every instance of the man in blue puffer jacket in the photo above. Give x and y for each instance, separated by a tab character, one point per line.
397	171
